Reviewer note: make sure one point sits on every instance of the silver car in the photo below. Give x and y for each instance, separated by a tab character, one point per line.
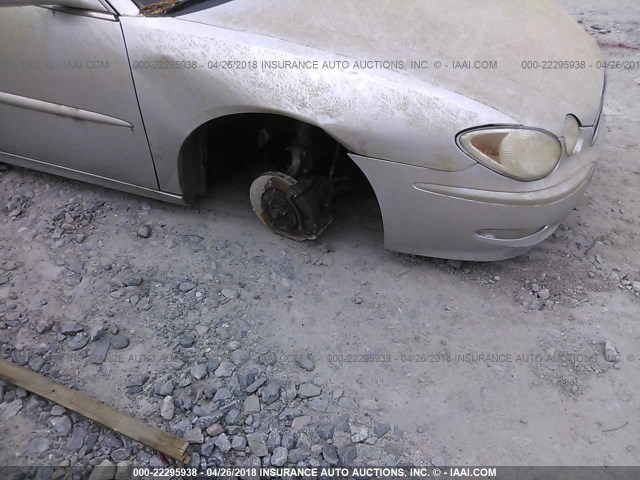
476	123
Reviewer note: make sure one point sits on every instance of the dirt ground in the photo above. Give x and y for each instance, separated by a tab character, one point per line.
476	363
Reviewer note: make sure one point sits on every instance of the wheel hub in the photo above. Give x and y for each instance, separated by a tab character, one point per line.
291	208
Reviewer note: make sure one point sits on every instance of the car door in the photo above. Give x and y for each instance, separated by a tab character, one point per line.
67	96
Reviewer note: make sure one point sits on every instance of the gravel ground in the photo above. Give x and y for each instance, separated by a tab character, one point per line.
263	351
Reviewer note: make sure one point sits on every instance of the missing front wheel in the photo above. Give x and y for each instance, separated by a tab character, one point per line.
296	209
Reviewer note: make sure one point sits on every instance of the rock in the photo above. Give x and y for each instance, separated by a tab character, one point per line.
70	328
298	455
201	330
215	430
11	409
636	286
610	352
289	440
164	388
119	342
304	441
325	431
305	362
246	376
123	471
212	365
255	385
98	331
239	357
77	438
347	455
279	456
222	395
36	363
319	404
144	231
20	357
290	413
273	440
38	445
381	429
207	419
137	380
120	454
222	442
112	441
62	425
185	287
348	403
359	433
167	410
534	304
251	405
300	422
544	294
77	342
143	457
132	280
308	390
105	470
225	369
330	454
223	332
99	350
270	392
57	410
238	443
199	371
194	435
229	294
258	444
232	417
207	448
44	326
187	341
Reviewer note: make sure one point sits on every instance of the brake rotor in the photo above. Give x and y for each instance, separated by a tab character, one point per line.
269	194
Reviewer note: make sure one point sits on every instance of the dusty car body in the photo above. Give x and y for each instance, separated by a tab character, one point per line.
446	107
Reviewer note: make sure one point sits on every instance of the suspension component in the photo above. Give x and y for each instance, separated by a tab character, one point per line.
296	209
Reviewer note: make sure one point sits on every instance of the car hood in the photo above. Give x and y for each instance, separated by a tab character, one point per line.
525	39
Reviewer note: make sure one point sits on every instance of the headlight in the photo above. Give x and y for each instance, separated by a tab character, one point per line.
519	153
571	134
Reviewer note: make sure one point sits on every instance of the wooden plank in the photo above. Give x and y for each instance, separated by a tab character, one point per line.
144	433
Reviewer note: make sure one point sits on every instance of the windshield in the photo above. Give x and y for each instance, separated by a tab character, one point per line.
160	7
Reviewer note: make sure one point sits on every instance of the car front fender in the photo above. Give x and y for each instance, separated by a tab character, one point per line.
187	74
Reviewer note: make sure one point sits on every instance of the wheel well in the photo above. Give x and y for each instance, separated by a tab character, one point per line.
228	143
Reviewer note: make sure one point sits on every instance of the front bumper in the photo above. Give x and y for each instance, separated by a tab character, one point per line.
474	214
